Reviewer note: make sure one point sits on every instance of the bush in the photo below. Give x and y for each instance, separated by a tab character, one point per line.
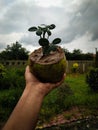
8	100
92	78
12	83
13	78
2	71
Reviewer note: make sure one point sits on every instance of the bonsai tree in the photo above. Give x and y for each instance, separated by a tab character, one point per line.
47	63
44	33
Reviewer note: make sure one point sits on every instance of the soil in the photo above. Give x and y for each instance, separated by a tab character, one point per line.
53	57
69	116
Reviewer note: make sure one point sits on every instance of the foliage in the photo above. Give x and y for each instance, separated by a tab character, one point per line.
78	55
13	78
11	87
44	33
14	52
64	94
96	60
8	100
2	71
74	92
56	100
92	78
75	67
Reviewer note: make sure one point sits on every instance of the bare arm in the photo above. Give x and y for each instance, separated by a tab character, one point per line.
25	114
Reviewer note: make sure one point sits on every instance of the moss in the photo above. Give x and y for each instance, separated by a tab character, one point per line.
49	72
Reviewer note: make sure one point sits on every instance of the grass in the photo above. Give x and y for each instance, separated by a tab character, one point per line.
73	92
82	93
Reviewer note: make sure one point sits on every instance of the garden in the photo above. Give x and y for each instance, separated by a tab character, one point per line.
75	99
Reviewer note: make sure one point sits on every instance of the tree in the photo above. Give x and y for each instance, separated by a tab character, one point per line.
78	55
67	54
14	52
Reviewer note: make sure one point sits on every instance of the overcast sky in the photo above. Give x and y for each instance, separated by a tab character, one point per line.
76	22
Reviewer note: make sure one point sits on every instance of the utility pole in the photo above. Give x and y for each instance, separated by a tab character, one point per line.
96	58
96	50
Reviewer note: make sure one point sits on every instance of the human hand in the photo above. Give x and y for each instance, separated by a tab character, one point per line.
43	88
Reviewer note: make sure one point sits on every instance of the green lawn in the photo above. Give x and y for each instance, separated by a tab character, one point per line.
73	92
82	93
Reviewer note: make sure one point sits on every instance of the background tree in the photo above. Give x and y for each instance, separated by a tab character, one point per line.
77	54
14	52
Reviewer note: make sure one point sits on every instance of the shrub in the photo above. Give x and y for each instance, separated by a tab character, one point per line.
8	100
12	83
2	71
92	78
13	78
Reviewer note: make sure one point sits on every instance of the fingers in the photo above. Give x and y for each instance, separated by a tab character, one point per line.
31	78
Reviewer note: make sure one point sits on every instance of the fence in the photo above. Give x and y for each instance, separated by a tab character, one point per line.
83	65
11	63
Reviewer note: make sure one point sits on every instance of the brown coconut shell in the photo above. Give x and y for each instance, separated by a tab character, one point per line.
49	68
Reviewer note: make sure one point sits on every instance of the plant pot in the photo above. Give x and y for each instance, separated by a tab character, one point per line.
49	68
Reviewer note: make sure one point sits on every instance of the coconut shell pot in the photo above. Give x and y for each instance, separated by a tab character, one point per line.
47	63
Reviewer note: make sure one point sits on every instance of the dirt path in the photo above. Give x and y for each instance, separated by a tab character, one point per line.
70	116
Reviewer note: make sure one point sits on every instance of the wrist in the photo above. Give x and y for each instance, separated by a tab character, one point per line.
35	90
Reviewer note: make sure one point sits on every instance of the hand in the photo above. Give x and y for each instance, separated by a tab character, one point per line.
43	88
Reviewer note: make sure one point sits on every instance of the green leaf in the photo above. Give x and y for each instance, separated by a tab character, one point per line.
56	41
32	29
38	32
43	42
49	33
53	48
52	26
44	29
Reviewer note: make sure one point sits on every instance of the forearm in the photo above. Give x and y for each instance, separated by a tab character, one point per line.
25	114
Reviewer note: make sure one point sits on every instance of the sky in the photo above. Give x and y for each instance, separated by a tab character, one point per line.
76	22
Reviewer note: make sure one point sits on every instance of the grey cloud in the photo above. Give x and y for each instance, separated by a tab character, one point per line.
72	20
17	16
2	46
84	20
29	40
52	15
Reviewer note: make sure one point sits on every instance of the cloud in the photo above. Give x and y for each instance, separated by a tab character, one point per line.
83	43
73	19
48	3
83	19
